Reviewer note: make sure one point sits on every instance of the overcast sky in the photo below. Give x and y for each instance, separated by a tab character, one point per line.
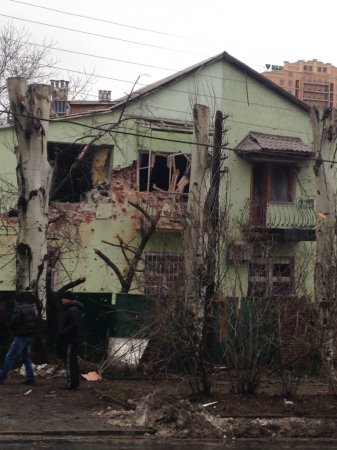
164	37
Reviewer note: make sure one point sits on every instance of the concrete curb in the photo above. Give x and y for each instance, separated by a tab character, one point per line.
120	432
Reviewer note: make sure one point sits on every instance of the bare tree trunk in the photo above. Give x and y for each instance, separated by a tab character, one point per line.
325	128
30	107
193	233
194	250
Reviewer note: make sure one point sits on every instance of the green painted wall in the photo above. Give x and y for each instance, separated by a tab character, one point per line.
251	107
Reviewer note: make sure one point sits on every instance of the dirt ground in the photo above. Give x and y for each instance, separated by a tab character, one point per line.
167	407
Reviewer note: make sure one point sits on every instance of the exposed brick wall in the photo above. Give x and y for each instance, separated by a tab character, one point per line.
124	182
74	213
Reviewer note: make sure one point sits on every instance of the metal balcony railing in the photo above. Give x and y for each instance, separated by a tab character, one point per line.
171	206
272	215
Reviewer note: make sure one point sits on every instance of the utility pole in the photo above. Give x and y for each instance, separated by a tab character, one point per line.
30	108
212	228
324	124
211	210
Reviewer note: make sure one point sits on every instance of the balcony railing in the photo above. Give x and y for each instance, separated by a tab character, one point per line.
298	215
171	207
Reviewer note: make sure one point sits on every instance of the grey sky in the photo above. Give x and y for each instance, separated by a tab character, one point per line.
256	32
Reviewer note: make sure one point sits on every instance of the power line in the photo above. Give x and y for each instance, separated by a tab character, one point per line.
200	95
120	24
107	21
107	58
97	76
190	92
177	141
154	67
126	41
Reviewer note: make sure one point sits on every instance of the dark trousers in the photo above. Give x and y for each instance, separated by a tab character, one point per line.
69	354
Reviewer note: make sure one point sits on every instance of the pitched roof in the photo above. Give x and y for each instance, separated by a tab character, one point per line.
261	143
224	56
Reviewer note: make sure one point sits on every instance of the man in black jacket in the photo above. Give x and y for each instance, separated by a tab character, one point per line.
24	324
70	336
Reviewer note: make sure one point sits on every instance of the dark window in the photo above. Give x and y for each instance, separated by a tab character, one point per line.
259	269
281	270
162	172
280	183
74	176
281	82
273	182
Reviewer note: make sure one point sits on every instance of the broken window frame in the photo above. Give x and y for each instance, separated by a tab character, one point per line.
148	168
68	193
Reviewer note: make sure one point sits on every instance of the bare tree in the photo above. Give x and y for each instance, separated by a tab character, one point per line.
30	106
131	254
80	84
19	57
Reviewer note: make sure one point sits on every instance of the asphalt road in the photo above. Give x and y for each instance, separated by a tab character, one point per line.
148	444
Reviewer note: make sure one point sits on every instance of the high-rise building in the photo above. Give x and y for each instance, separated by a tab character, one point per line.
312	81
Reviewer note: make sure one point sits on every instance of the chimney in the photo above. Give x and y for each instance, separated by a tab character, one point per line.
104	96
59	96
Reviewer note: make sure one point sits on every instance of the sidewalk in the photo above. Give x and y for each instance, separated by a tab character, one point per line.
162	409
32	412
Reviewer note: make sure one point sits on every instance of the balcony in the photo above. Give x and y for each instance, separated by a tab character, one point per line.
171	207
293	221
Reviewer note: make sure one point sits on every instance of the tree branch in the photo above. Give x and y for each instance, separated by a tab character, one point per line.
112	266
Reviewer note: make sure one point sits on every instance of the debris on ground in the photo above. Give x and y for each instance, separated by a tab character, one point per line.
92	376
169	415
44	370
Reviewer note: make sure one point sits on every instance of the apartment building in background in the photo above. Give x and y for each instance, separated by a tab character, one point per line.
312	81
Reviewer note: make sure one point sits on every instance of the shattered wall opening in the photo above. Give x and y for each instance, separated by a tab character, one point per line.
74	175
162	172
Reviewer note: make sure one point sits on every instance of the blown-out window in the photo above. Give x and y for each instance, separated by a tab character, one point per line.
77	169
163	171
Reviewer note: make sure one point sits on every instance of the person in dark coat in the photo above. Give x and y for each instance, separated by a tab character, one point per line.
23	323
54	307
70	336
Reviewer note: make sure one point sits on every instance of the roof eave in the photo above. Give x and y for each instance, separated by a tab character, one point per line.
248	154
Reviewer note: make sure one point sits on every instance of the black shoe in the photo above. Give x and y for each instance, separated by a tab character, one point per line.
28	381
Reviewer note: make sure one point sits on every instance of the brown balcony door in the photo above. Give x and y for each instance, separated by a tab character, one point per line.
259	190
